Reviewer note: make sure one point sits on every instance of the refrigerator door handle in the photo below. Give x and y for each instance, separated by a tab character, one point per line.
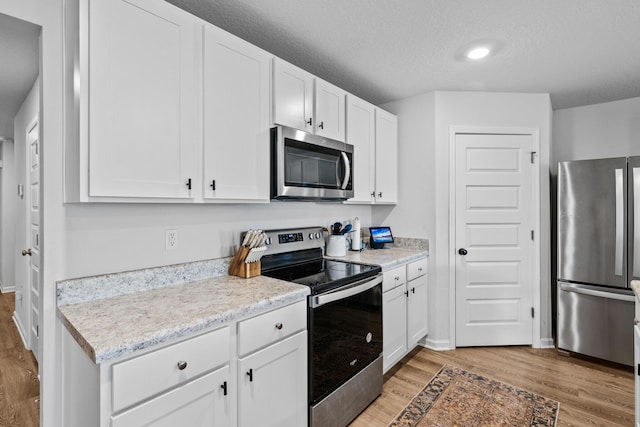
619	222
636	222
594	293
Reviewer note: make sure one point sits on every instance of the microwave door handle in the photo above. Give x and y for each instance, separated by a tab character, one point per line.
347	170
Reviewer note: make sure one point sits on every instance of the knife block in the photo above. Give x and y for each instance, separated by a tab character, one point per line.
240	268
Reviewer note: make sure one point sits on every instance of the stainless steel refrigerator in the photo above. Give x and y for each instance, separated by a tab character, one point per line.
598	255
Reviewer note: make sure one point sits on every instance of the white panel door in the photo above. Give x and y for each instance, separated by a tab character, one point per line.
330	110
494	223
236	118
292	96
386	157
33	142
142	77
361	133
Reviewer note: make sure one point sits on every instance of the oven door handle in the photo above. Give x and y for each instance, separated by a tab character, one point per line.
356	288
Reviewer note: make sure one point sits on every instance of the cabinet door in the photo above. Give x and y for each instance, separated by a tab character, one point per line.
329	114
361	134
394	326
273	385
236	118
141	99
202	402
292	96
416	311
386	157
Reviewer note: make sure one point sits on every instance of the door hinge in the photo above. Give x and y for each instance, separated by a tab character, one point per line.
532	235
533	312
38	331
639	369
533	157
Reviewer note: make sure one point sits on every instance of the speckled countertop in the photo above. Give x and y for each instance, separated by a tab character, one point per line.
635	285
387	258
107	328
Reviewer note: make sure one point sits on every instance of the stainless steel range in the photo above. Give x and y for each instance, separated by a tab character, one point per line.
344	323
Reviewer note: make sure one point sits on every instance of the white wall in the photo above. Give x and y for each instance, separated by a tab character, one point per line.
7	215
610	129
424	123
25	115
106	238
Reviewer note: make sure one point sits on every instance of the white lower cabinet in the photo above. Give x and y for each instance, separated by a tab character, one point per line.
206	380
273	385
202	402
404	310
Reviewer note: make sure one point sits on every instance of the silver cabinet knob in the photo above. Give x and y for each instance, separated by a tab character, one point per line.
26	252
182	365
278	326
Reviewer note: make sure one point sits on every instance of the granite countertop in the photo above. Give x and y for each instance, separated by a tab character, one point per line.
112	327
387	258
635	285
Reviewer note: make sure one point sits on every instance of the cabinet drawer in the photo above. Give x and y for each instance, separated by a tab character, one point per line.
416	269
152	373
393	278
270	327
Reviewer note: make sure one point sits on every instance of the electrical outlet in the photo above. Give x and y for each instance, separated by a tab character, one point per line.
171	240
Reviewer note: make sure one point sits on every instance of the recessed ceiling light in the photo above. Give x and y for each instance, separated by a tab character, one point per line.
478	53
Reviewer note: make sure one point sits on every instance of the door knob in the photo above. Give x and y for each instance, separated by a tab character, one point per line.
26	252
462	251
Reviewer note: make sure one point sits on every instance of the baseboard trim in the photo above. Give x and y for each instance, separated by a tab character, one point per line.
5	289
547	343
20	328
437	345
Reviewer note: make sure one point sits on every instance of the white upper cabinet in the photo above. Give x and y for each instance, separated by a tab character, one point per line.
302	101
329	110
361	133
236	78
141	99
374	134
292	96
386	158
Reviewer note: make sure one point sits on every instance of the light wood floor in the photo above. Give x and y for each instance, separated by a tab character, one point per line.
590	394
19	384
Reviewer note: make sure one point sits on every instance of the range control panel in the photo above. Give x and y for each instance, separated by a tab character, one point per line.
290	238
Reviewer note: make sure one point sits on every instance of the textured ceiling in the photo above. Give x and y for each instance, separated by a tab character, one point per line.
580	51
19	47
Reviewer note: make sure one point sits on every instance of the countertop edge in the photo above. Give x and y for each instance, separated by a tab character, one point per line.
184	330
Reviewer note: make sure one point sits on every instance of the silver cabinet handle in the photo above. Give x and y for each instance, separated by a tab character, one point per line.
619	229
26	252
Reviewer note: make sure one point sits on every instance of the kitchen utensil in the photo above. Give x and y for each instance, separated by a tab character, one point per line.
335	228
356	239
346	229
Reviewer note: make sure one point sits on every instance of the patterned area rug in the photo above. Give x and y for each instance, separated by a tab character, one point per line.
455	397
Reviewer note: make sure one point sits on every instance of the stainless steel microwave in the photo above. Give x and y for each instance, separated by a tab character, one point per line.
309	167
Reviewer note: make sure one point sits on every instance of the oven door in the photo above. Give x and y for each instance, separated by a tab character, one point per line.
306	166
345	334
